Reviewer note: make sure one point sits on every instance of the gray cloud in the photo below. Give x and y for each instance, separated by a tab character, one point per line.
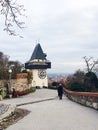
68	30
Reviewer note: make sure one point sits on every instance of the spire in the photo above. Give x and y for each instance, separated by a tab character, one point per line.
38	53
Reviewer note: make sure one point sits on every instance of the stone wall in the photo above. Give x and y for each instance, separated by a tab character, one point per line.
20	84
85	98
13	83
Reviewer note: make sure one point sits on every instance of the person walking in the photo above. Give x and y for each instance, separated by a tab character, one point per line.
60	91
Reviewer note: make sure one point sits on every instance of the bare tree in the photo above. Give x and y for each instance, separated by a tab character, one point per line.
12	11
6	64
90	63
3	65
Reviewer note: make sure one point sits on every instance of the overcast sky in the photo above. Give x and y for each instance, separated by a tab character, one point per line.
66	29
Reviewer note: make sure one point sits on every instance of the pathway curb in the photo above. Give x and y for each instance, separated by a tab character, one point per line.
38	101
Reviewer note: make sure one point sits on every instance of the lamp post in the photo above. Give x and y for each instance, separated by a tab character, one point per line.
10	72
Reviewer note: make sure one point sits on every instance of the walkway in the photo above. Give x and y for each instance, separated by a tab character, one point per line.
54	114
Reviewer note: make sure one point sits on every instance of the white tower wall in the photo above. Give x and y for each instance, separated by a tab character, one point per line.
37	81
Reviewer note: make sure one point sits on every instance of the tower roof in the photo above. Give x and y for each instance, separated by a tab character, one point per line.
38	53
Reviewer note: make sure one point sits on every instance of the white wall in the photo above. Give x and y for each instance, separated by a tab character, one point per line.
38	81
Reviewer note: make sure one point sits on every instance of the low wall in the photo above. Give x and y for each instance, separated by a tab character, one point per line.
20	84
85	98
13	83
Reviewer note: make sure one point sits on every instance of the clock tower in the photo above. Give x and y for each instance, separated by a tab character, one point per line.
38	64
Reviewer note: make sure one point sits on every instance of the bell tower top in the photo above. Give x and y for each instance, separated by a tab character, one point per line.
38	59
38	53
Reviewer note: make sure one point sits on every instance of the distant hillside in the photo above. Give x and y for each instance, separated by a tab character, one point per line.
59	74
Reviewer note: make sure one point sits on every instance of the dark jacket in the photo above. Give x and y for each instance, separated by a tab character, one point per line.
60	90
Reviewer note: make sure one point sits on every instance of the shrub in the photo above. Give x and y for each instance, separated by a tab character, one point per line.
24	92
91	81
77	87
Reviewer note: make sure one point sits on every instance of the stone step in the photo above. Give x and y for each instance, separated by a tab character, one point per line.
6	110
3	108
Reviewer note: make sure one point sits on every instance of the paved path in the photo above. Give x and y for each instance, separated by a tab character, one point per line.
54	114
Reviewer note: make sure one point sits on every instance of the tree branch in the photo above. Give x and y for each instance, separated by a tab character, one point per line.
90	64
12	11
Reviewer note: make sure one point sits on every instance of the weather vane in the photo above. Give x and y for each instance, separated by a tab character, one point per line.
38	41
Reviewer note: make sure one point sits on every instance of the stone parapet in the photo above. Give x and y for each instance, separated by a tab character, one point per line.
6	110
88	99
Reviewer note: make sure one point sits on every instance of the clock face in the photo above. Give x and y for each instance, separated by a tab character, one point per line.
42	74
